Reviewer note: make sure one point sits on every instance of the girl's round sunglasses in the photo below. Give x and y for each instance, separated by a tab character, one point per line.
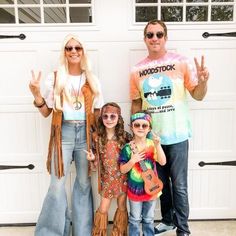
109	116
159	35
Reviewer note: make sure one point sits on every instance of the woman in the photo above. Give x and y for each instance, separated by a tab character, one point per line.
74	97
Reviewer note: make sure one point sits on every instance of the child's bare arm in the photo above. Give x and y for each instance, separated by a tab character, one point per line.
161	157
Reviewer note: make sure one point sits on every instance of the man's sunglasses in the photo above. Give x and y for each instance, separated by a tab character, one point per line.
138	125
159	35
109	116
70	48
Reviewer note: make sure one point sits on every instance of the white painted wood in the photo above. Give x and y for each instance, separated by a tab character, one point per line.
115	44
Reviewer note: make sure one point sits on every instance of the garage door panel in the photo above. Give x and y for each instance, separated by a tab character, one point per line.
16	66
24	138
207	189
221	63
21	200
212	129
207	193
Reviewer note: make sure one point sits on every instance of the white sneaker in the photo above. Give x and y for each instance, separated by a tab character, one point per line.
161	228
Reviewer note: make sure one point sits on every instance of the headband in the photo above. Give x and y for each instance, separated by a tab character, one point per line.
111	109
142	116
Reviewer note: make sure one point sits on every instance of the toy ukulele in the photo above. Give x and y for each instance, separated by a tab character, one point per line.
152	184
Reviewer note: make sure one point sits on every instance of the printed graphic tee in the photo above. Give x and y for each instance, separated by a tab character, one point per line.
162	85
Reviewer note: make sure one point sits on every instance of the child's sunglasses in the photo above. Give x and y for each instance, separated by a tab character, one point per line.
138	125
109	116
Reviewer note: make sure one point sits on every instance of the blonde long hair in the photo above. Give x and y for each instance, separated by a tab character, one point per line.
62	73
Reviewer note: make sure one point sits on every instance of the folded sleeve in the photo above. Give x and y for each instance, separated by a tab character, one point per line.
134	87
125	154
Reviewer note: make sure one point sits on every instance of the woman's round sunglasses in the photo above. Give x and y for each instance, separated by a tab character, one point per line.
159	35
70	48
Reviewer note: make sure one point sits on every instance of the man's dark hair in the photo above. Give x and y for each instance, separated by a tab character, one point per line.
155	22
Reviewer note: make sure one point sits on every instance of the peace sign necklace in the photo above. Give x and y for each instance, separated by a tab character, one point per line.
77	104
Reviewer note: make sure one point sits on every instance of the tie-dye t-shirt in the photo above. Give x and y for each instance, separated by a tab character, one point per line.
162	85
135	181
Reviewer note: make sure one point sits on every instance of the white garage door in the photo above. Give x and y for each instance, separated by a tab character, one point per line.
113	31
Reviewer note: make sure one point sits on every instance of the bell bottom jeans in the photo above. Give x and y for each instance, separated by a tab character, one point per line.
54	219
141	212
174	198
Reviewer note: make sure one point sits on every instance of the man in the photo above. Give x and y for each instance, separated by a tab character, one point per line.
159	84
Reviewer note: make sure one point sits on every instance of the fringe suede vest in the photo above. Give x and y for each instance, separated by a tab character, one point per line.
55	142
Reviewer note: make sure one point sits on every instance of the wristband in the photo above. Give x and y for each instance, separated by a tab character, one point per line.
39	105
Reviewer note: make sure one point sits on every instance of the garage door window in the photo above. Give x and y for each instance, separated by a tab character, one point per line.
46	11
184	10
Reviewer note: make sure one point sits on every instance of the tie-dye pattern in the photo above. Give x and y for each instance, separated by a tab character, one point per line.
162	85
136	190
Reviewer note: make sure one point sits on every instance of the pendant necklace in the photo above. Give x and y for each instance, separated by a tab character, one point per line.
76	104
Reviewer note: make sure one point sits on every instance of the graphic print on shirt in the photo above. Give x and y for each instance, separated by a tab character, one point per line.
73	106
157	89
76	98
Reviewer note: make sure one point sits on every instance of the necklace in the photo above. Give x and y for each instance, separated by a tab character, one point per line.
76	103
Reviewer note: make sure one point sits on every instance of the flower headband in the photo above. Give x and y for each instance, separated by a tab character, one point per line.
142	116
111	109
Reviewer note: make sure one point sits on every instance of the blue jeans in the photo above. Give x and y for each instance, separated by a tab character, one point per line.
174	198
141	212
54	219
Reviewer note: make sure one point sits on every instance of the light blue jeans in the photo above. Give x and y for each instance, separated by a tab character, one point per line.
54	219
141	212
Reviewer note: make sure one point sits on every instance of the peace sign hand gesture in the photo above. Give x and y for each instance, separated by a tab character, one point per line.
90	155
34	84
202	71
156	138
